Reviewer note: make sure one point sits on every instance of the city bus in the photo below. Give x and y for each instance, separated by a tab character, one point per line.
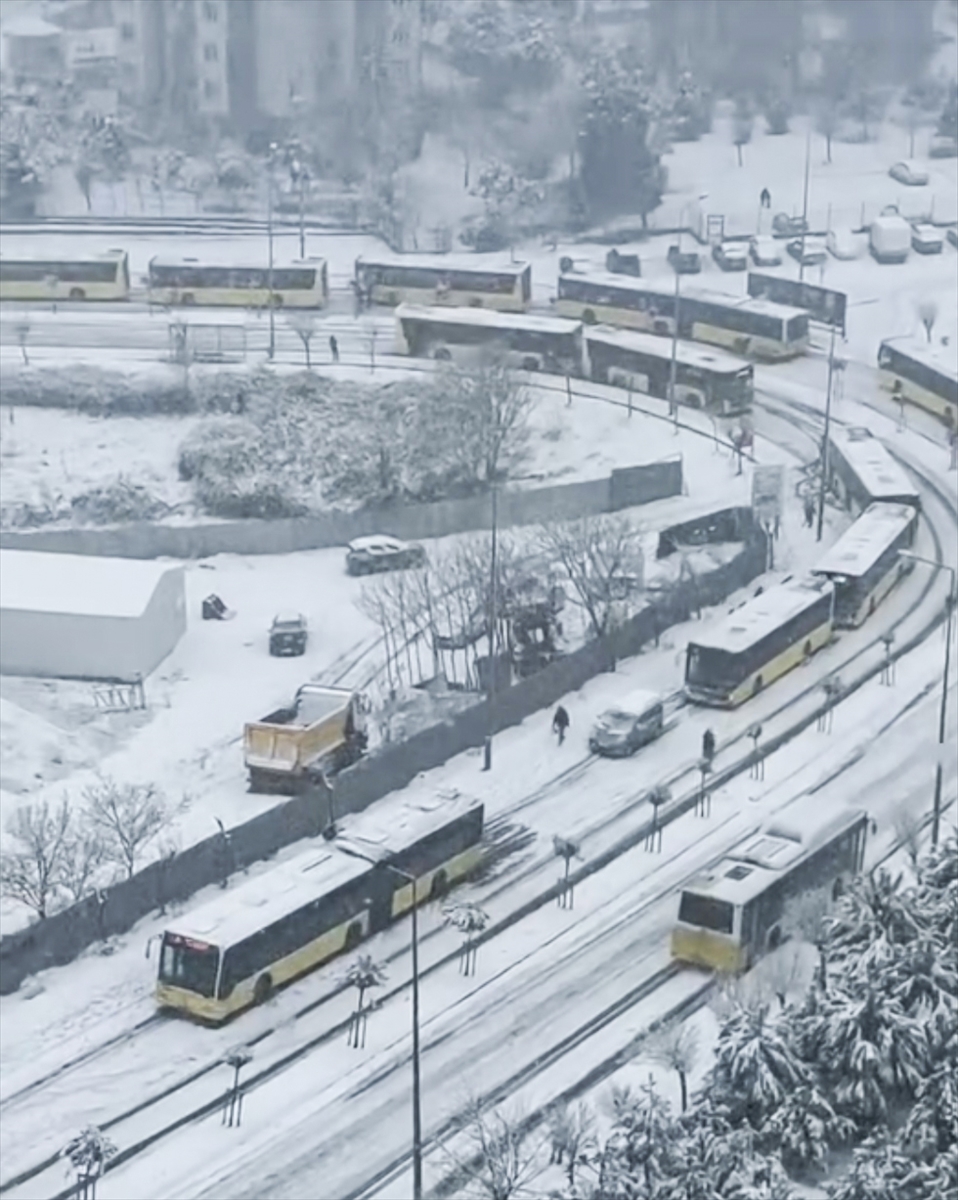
865	563
302	284
760	640
861	471
925	375
443	279
738	910
756	328
234	951
709	379
95	277
527	341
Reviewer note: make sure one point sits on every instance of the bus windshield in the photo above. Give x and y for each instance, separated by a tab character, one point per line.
712	667
797	328
706	912
188	964
734	390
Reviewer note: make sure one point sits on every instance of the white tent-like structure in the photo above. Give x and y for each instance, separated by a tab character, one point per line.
76	616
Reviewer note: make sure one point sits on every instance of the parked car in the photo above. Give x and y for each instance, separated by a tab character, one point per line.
943	146
843	244
623	729
785	226
908	173
684	262
809	252
765	252
382	553
952	236
288	635
731	256
926	239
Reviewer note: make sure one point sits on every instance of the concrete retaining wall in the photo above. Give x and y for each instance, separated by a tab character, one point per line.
60	938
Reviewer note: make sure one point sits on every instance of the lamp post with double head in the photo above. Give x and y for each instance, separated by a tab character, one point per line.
943	711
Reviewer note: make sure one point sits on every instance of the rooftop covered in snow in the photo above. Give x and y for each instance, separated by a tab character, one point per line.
78	584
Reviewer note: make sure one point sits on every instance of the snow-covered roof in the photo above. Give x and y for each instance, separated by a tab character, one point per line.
487	317
871	462
757	861
99	256
445	262
259	902
627	283
77	584
758	617
376	543
661	347
635	702
939	358
172	260
386	830
861	546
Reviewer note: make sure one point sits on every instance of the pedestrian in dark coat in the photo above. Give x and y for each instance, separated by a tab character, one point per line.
560	723
334	347
809	512
708	745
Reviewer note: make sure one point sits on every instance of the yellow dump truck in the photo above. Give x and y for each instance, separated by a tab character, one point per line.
324	729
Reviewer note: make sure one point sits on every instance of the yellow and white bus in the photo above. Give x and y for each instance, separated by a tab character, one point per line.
734	913
760	640
925	375
95	277
302	284
236	950
444	279
752	328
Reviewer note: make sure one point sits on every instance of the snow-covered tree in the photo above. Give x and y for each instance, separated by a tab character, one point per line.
125	817
31	869
804	1128
639	1151
677	1048
498	1156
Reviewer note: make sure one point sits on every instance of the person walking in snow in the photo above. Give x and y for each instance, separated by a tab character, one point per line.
809	512
708	745
334	347
560	723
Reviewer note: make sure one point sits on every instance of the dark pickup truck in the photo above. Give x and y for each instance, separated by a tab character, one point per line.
287	635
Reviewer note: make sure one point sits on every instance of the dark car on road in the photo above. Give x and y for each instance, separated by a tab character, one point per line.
379	552
622	730
811	251
731	256
684	262
288	635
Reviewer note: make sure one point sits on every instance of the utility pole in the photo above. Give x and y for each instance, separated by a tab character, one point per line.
269	237
673	406
801	261
828	414
494	594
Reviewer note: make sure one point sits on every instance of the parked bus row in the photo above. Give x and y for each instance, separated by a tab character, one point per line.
926	376
234	951
709	379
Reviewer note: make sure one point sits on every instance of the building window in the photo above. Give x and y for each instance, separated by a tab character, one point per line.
211	52
210	11
128	31
211	89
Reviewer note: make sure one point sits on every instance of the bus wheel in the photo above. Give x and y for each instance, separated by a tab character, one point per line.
442	355
439	886
589	317
263	989
275	301
187	298
774	937
354	935
807	649
757	685
77	294
530	364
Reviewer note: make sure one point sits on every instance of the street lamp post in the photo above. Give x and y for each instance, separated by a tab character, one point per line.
931	562
673	407
494	603
828	417
269	238
801	259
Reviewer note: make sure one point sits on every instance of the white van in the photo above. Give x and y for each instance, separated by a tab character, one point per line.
621	730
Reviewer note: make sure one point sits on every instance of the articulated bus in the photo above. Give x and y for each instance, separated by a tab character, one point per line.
709	379
733	914
443	279
862	472
757	328
96	277
925	375
527	341
185	281
865	563
760	640
234	951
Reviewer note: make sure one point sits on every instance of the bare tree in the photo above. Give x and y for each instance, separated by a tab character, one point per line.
677	1049
303	321
126	817
88	1153
572	1138
363	974
30	873
499	1159
742	124
602	558
928	314
82	856
805	918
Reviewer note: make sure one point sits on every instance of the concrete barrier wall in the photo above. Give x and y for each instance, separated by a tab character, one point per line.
60	938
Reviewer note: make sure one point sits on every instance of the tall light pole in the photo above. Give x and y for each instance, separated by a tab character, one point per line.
269	237
673	406
828	417
939	566
808	148
493	606
416	1086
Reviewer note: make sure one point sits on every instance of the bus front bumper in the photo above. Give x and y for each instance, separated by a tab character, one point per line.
703	948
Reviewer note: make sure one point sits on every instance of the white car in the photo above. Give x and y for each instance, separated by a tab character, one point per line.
765	252
926	239
843	244
908	173
380	552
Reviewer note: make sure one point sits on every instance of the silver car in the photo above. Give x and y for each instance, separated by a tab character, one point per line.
379	552
623	729
908	173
